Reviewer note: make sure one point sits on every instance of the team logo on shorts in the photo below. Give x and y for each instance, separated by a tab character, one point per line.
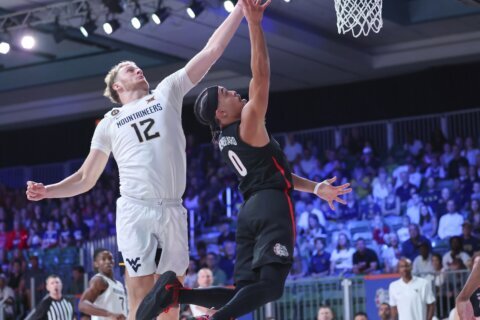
280	250
134	263
115	112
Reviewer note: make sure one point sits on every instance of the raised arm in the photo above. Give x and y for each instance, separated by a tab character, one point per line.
96	288
324	190
199	65
79	182
463	304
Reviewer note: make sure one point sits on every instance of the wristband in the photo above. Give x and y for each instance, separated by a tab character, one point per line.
316	187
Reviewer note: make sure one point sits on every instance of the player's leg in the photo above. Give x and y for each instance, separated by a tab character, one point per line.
137	289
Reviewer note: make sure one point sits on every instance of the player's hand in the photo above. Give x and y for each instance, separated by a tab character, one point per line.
36	191
331	193
465	310
253	10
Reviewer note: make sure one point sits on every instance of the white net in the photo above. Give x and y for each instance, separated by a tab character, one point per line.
359	16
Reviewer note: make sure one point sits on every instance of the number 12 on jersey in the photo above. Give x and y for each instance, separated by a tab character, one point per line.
148	123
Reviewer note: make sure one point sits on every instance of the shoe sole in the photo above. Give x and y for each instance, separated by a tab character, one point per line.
154	302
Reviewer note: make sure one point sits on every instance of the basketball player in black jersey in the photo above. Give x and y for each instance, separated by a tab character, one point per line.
266	222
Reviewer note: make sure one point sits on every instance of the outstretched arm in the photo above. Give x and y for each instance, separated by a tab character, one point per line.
199	65
324	190
79	182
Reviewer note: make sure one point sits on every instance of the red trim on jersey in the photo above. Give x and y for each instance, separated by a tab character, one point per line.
289	200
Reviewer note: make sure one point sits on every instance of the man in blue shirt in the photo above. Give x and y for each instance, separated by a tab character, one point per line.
411	247
320	261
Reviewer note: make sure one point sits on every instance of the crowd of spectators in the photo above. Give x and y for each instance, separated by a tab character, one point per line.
417	200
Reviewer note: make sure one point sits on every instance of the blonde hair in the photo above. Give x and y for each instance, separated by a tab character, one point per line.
109	92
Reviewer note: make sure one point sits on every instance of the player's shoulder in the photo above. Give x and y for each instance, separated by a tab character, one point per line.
114	112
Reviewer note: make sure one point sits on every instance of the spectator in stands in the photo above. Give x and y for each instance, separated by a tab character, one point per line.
413	145
430	194
404	233
190	280
315	229
391	204
384	311
219	276
447	155
299	266
439	277
18	237
391	253
360	315
380	229
341	257
50	236
414	176
454	253
308	163
369	209
365	260
435	170
450	223
470	152
3	235
360	182
411	247
65	234
380	185
303	219
201	247
16	276
470	243
428	221
205	280
77	282
351	209
293	149
456	162
38	274
411	297
325	313
80	229
7	296
445	196
404	191
422	264
34	236
413	208
320	260
475	191
226	233
369	161
227	260
473	215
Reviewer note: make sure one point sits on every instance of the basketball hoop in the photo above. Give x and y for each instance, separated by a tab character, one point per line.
359	16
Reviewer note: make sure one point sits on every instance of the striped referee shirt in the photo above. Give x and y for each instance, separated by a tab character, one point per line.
50	309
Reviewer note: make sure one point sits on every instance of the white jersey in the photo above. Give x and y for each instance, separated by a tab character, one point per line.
412	298
113	299
147	141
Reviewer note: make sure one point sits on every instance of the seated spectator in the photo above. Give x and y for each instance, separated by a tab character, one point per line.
422	264
320	260
413	146
38	274
315	229
34	239
445	196
190	280
308	162
360	316
430	195
7	296
447	155
428	222
391	204
411	247
456	162
341	257
325	313
470	151
391	253
404	233
205	280
470	243
219	276
455	253
227	260
18	237
380	185
385	312
226	233
475	191
50	236
450	223
413	208
439	276
380	229
293	149
360	182
404	191
368	160
201	257
303	220
435	170
414	176
350	210
369	209
365	260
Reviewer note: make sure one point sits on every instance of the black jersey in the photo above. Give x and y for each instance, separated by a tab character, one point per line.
258	168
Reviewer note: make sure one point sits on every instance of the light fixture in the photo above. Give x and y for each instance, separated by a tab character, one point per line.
58	32
89	26
139	20
111	26
4	47
229	5
28	42
160	15
195	9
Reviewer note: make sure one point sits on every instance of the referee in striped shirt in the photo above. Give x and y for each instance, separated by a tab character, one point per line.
53	306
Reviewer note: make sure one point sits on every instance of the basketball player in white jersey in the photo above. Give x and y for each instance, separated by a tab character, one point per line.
105	297
146	138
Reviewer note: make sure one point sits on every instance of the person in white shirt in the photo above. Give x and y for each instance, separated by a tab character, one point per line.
7	296
147	141
455	253
205	280
411	298
105	298
450	223
293	149
422	265
341	260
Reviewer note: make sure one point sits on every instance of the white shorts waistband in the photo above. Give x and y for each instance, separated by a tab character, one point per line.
156	202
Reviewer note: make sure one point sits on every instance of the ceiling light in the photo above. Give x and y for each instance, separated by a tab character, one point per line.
160	15
195	9
4	47
229	5
111	26
28	42
139	20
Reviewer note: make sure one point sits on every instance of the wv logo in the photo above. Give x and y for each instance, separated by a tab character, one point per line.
133	264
